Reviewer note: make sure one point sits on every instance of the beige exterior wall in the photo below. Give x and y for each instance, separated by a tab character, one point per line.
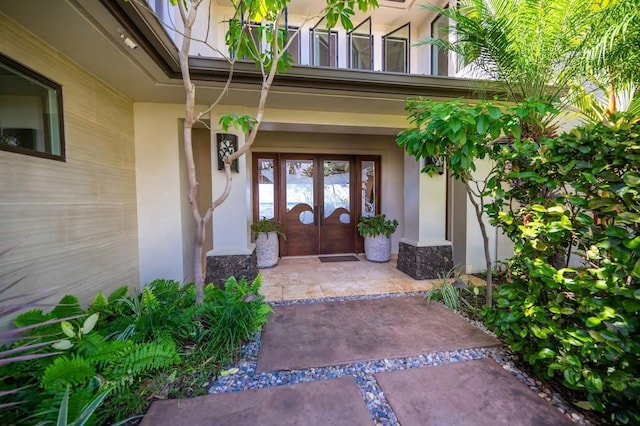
165	232
71	224
500	246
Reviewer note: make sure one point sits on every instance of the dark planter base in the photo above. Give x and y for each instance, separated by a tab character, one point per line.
424	262
221	267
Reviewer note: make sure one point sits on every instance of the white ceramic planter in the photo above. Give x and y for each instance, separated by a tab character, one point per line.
267	249
378	248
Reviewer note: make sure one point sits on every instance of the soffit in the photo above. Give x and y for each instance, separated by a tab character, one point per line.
87	31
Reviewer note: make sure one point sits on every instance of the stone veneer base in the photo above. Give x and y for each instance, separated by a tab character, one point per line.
221	267
424	262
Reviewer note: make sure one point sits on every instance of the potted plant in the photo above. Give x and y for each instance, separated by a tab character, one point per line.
265	233
377	231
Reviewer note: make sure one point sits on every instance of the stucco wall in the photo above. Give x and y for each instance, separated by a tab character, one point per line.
71	224
163	218
474	249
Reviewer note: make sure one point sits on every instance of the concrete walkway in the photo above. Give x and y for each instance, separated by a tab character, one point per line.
334	360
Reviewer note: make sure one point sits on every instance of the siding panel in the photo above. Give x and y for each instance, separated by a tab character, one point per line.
71	225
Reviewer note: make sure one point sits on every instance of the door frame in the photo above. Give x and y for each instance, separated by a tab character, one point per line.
279	188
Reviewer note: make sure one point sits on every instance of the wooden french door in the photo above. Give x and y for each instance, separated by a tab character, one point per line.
318	198
317	204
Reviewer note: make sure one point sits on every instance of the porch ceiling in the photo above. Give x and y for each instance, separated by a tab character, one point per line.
88	32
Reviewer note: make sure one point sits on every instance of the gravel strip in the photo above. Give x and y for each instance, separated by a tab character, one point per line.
381	412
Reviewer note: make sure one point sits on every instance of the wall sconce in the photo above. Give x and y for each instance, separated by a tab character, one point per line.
431	163
128	41
226	145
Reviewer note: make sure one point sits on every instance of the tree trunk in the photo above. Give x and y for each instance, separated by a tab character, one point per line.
188	19
485	242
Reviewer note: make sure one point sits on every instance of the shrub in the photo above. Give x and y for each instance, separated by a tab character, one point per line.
123	349
579	194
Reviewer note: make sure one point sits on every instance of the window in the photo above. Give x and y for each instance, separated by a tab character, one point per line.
265	186
30	112
294	47
255	32
360	39
324	47
396	49
440	57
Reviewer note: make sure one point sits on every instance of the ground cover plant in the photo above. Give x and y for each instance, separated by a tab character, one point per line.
125	351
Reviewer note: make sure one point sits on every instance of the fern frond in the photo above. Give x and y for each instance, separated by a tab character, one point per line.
34	316
67	307
99	303
143	358
65	371
149	300
118	294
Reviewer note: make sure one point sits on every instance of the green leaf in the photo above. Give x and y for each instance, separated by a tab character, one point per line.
63	345
63	412
455	125
89	323
99	300
67	329
593	383
482	125
91	408
632	244
229	372
636	270
596	336
595	402
546	353
593	321
631	305
556	209
539	208
631	179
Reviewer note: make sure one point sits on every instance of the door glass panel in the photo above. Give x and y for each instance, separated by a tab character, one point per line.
299	188
337	190
368	182
266	196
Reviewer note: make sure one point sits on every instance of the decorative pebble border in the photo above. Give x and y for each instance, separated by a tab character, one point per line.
381	412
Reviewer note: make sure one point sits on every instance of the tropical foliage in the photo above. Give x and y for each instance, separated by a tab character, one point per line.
579	325
522	44
122	351
463	134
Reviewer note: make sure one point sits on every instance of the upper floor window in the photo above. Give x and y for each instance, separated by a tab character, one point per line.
324	47
30	112
294	47
258	34
360	41
440	57
396	49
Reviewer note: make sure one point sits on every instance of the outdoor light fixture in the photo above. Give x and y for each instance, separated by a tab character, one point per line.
437	162
128	41
227	145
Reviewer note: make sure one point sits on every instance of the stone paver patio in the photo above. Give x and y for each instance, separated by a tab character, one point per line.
295	278
372	360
